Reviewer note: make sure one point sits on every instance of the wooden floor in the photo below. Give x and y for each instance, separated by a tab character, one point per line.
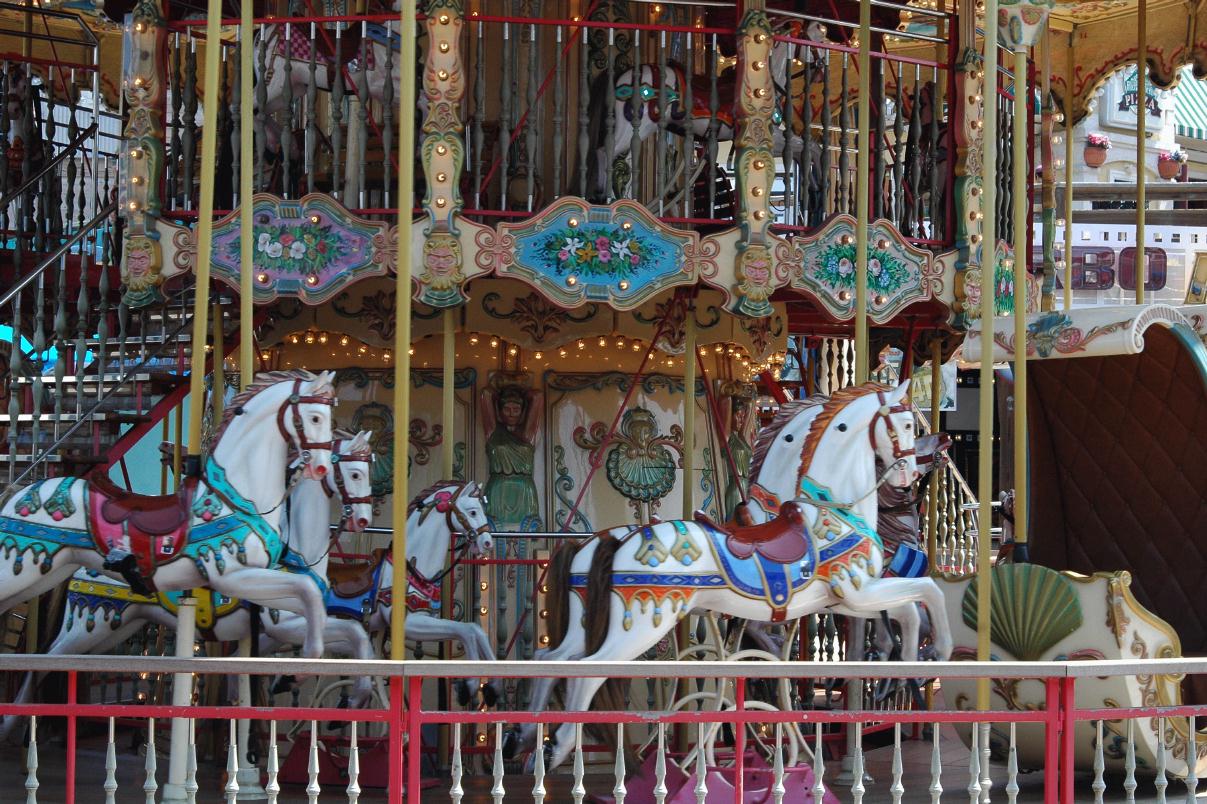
915	756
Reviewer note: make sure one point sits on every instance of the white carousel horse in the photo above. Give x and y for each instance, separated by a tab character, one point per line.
696	120
221	530
122	612
363	591
779	472
818	554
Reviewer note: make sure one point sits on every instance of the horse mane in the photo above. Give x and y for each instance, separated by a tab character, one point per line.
417	501
830	406
261	382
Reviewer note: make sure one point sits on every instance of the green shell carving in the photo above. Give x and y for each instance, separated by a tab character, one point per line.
1033	608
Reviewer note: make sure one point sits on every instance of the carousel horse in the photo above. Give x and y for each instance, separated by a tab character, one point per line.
220	530
665	87
122	612
888	435
817	554
362	591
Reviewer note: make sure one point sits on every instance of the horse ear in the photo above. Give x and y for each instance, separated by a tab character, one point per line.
900	392
324	384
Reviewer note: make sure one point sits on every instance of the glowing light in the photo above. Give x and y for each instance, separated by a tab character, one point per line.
473	340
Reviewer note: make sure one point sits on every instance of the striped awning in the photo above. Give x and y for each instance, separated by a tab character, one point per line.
1190	97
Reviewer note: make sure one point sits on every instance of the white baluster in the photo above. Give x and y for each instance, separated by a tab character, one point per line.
312	787
778	790
273	788
701	788
936	766
819	768
456	792
1129	764
620	791
354	768
31	763
497	791
1012	768
896	789
986	782
232	763
150	785
974	766
660	767
190	765
1099	785
1192	756
857	789
111	767
1162	781
579	791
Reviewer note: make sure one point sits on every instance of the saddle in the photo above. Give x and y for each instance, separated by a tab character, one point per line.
353	580
784	539
137	532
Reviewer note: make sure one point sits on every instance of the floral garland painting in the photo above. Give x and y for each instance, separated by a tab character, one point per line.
310	249
597	252
836	269
1054	333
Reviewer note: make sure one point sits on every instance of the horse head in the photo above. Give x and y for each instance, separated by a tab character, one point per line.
893	438
463	507
352	458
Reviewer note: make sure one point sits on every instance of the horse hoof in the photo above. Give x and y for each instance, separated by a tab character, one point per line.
490	695
511	742
463	693
283	684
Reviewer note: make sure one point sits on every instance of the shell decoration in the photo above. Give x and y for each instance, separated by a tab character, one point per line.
1032	609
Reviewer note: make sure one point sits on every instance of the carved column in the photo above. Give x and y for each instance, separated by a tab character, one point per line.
443	154
144	68
755	166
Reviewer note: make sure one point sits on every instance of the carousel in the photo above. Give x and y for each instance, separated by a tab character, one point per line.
609	331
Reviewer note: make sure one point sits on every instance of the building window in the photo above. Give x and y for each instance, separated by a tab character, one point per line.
1176	237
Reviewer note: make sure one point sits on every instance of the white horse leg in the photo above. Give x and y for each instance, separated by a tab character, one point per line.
341	638
572	648
425	628
275	589
619	645
906	616
893	593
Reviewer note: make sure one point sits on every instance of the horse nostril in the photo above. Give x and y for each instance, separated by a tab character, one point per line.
364	523
320	470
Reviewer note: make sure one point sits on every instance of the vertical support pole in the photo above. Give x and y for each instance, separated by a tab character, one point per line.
247	359
1141	143
1052	729
414	727
1022	254
447	395
1048	190
683	629
182	695
862	369
402	332
739	743
73	680
394	772
1068	118
932	491
987	262
1068	706
219	369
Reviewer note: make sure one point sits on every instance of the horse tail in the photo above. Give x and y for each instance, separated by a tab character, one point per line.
610	696
557	603
597	116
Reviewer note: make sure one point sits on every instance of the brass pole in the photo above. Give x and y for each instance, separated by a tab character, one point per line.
247	358
987	261
447	397
1141	144
402	332
689	413
205	229
862	170
1068	113
1022	221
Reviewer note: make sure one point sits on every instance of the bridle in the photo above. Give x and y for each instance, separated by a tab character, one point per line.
445	502
345	497
886	412
292	407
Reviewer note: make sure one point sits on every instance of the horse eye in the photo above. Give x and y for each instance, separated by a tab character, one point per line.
909	427
314	419
842	428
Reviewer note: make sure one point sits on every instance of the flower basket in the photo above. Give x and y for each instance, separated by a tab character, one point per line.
1095	156
1169	170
